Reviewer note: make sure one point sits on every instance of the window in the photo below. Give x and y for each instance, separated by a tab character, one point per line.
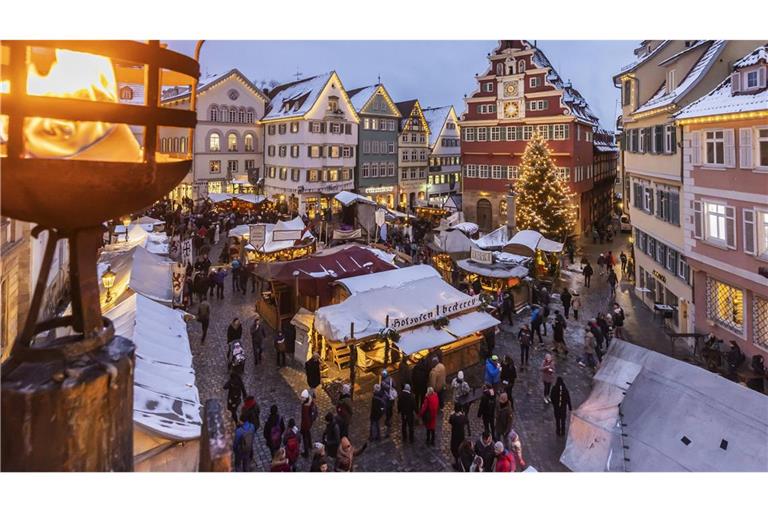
271	150
214	142
648	199
484	171
538	105
250	116
671	81
512	171
482	134
470	171
315	127
346	152
725	305
715	219
333	104
241	115
232	165
527	132
366	147
521	66
335	151
295	151
715	147
375	147
250	165
272	172
336	128
282	150
488	87
281	129
366	169
495	133
233	115
423	155
626	92
496	172
295	127
232	142
405	155
315	151
214	166
469	135
313	175
249	146
751	79
762	148
560	131
374	170
213	114
391	168
563	173
534	81
499	68
669	139
414	155
760	321
271	129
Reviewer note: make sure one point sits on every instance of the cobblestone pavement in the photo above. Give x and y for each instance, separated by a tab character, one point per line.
534	420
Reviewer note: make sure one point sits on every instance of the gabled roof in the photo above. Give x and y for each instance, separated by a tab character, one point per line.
682	52
362	95
436	118
210	81
405	108
636	64
664	98
721	99
295	99
572	98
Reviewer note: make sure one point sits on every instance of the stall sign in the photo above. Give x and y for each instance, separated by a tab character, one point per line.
257	235
286	234
174	249
380	217
186	252
378	190
481	256
440	310
178	274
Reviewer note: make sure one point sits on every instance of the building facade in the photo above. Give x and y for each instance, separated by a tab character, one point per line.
229	140
15	286
311	139
413	150
725	190
605	162
521	92
444	154
666	76
377	146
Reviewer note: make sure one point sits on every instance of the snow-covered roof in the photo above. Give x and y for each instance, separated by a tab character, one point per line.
427	337
497	269
204	83
527	241
165	399
468	228
405	108
360	96
139	270
270	244
572	98
139	234
635	64
347	198
663	97
496	238
295	99
436	118
721	99
388	278
452	241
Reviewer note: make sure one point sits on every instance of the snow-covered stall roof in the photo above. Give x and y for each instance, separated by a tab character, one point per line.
387	279
721	99
497	270
270	244
427	337
294	99
436	118
469	228
139	270
139	234
216	197
165	398
527	241
347	198
369	309
452	241
675	417
663	97
453	203
496	238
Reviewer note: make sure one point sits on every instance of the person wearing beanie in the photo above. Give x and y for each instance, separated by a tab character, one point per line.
461	391
344	409
378	405
308	417
406	406
291	442
504	462
331	435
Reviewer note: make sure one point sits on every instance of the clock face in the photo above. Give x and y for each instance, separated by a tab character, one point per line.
510	89
511	109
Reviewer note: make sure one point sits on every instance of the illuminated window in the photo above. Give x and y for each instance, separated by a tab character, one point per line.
214	142
232	142
249	146
760	321
725	305
214	166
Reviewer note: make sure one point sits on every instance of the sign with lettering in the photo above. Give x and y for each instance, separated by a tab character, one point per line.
286	234
257	235
440	310
658	275
174	247
481	256
381	217
186	252
378	190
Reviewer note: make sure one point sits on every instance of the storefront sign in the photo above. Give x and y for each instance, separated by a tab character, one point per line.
481	256
378	190
186	252
178	274
286	234
659	276
400	324
257	235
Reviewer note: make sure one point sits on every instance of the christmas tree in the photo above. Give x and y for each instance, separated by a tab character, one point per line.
544	201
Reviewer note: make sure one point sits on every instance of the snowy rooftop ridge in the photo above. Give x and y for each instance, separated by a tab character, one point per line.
436	118
721	99
360	96
636	63
296	98
176	93
664	98
572	98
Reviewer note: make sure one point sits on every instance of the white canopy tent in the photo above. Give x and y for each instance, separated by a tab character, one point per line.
495	239
140	234
496	270
270	244
139	270
527	241
249	198
675	417
387	279
451	241
347	198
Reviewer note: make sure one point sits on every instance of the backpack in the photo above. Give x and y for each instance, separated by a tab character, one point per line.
244	446
292	447
275	433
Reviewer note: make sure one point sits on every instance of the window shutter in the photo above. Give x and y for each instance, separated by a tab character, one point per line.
322	127
650	203
730	227
659	202
730	149
749	231
674	208
696	148
735	82
697	220
745	148
761	72
348	129
673	149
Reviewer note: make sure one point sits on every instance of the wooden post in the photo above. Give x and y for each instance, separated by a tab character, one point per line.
352	360
215	442
386	343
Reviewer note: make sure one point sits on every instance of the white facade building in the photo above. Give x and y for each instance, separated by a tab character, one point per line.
310	143
445	154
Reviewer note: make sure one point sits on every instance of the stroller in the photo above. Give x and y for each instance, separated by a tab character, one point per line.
236	358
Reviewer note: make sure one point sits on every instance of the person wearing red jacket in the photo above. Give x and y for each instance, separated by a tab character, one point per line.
504	462
429	414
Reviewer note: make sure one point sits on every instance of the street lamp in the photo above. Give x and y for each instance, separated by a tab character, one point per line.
126	222
108	281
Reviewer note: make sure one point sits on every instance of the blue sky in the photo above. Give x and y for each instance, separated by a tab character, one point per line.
436	72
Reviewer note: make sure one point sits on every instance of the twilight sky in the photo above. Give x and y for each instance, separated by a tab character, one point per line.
436	72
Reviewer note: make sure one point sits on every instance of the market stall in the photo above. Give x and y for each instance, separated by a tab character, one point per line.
141	234
403	313
283	241
136	270
495	272
240	202
544	252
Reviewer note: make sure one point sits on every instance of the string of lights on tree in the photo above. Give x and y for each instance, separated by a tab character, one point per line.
544	201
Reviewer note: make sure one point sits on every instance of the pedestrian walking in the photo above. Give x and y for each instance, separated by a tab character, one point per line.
250	411
618	321
537	318
406	406
504	416
486	451
459	432
331	435
344	409
466	455
312	371
565	299
420	377
204	317
508	376
234	331
258	333
547	370
492	371
623	259
558	335
428	413
461	391
281	347
243	445
235	393
218	281
589	349
378	404
235	274
612	280
599	338
601	263
588	272
308	417
274	428
292	443
516	448
504	462
318	459
561	400
576	305
508	303
390	395
524	336
487	410
345	458
437	380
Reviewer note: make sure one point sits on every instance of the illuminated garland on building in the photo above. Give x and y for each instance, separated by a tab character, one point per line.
544	203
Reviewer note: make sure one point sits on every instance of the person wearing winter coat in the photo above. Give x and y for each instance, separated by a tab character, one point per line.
274	428
331	435
344	409
477	465
561	400
516	448
576	305
537	319
378	405
525	337
204	317
492	371
308	417
547	370
389	393
504	461
466	456
565	299
345	458
459	432
428	413
420	377
437	380
588	271
487	410
504	416
234	331
597	332
312	369
218	281
461	391
612	281
291	442
558	335
406	406
281	348
243	445
318	458
484	448
251	411
618	321
589	349
258	333
508	375
235	393
280	463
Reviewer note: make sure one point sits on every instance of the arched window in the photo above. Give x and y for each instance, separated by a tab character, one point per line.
249	145
499	68
126	93
175	145
213	113
224	114
183	145
241	115
250	116
521	66
232	115
214	142
232	142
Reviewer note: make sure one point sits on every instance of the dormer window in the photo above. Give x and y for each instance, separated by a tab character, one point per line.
521	67
671	81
